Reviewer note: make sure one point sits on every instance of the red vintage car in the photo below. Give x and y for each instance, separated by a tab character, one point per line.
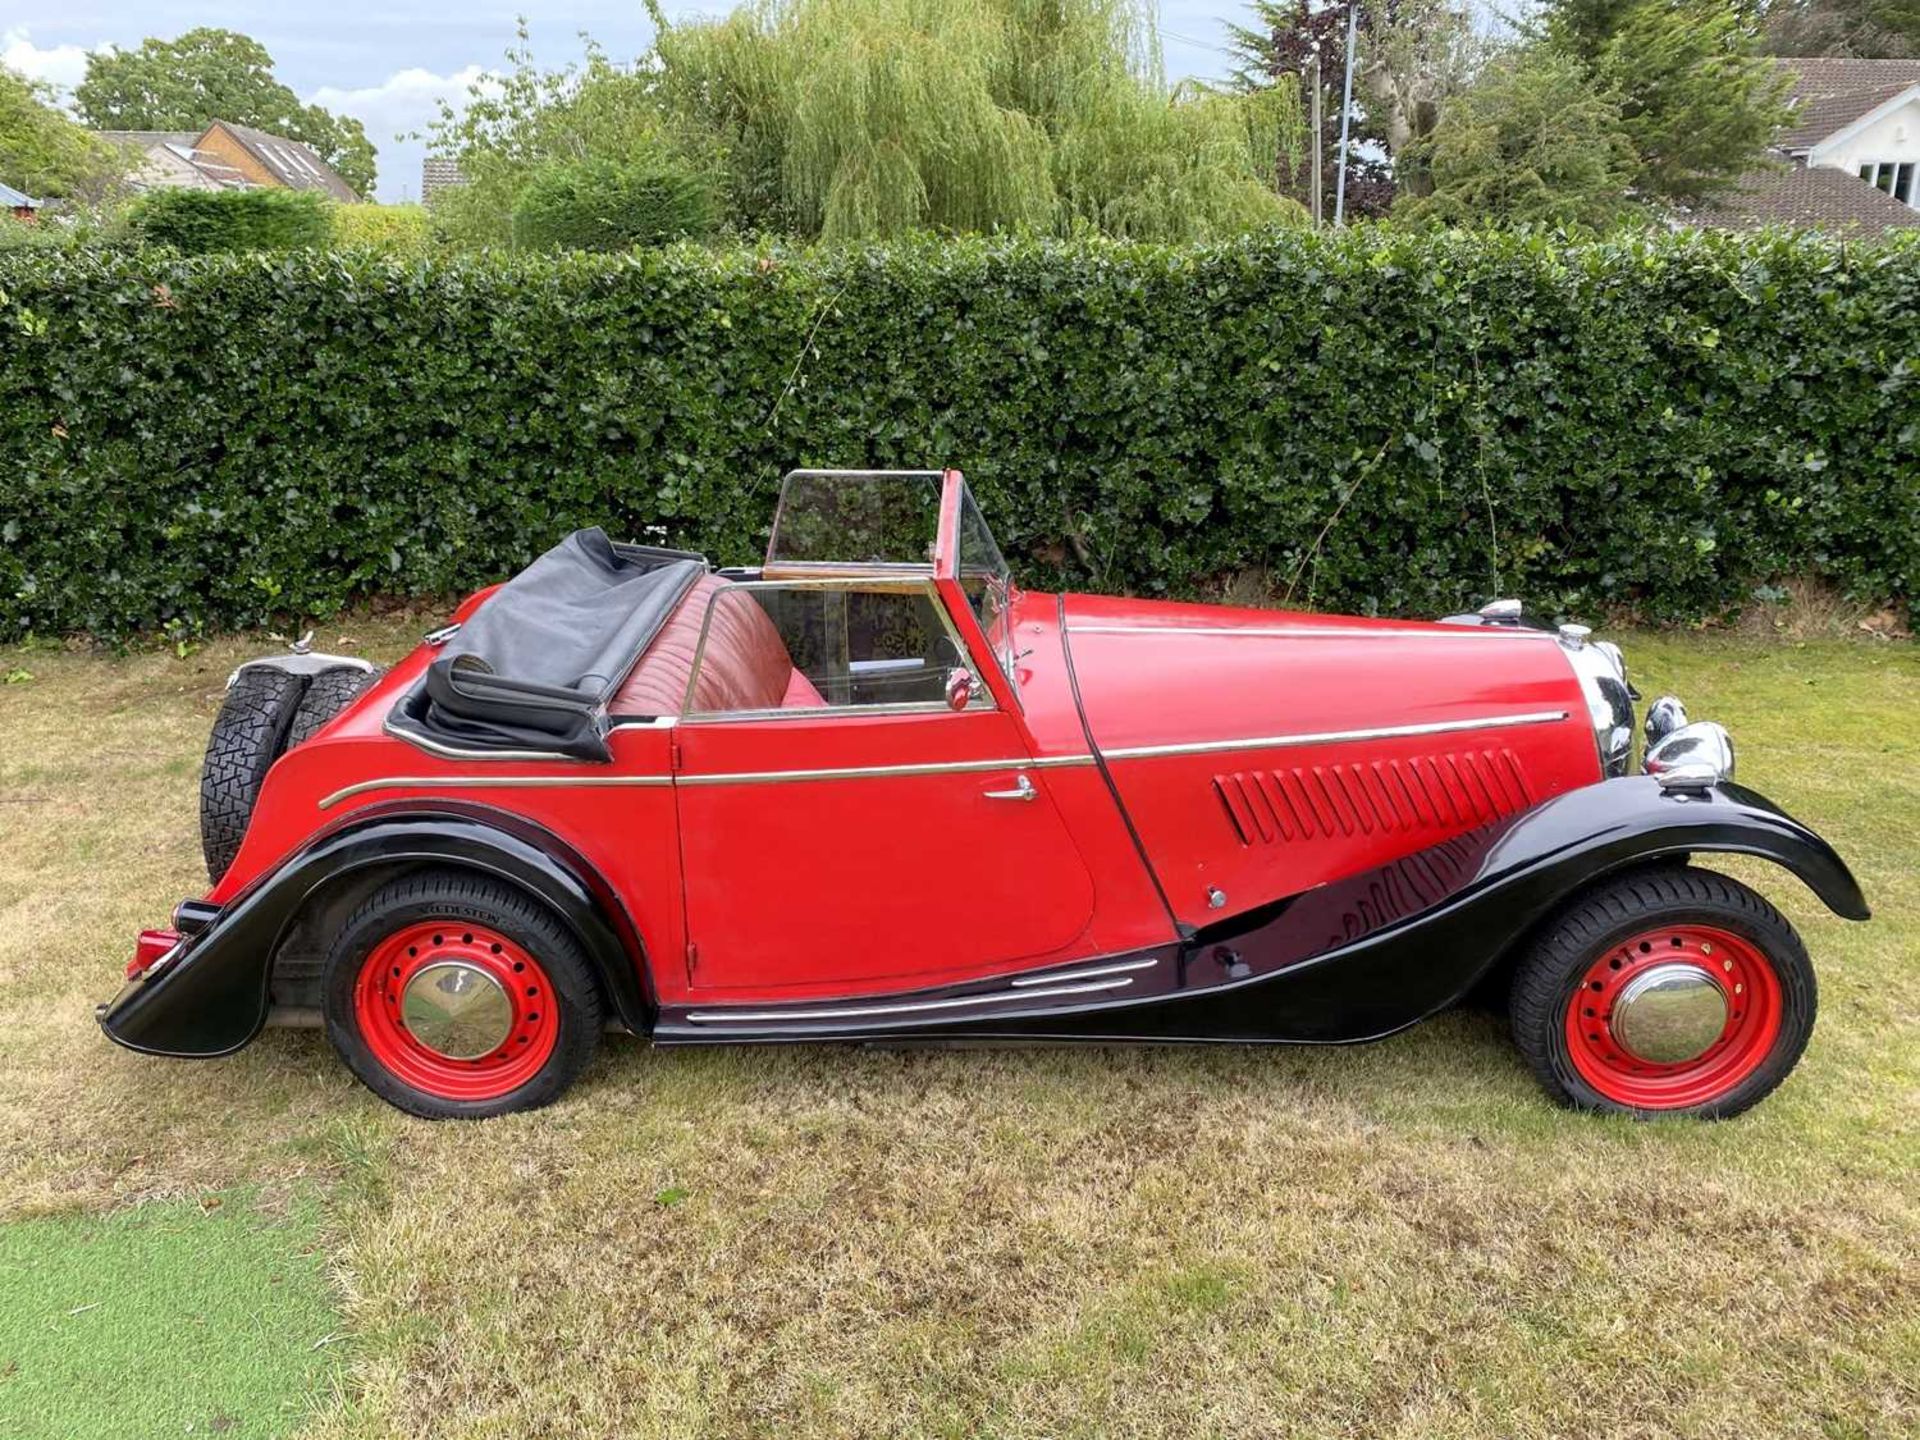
871	791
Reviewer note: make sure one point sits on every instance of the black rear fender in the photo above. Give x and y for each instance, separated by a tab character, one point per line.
212	998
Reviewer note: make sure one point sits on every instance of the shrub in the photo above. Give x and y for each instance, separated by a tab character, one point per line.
396	229
603	205
205	222
1394	422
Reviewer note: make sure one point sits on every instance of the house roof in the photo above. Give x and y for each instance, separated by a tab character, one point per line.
182	146
146	139
1830	93
12	199
1813	197
291	162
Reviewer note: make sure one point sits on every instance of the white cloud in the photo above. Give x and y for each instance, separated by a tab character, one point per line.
63	66
405	102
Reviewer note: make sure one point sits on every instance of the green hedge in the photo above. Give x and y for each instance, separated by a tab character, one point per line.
204	222
1661	424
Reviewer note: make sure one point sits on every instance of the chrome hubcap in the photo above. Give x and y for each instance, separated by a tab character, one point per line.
1669	1014
456	1010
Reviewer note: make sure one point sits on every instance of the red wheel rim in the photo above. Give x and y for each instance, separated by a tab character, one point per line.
380	992
1748	985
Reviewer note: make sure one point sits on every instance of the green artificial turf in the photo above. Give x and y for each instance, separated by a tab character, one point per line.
177	1318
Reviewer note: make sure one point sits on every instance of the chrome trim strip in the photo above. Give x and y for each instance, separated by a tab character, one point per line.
831	711
1329	737
761	777
489	782
863	772
850	1012
1087	974
1319	632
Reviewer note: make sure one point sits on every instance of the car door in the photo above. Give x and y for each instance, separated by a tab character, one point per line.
867	835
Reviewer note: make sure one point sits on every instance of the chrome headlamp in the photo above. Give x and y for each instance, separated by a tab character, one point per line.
1603	679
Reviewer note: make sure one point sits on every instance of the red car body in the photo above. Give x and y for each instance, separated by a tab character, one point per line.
1135	820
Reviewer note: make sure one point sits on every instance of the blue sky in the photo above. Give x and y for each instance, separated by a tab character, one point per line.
387	63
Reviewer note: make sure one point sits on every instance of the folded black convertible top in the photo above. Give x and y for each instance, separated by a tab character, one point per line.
532	670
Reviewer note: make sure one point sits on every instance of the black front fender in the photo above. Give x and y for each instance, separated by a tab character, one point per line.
1372	954
1621	822
212	997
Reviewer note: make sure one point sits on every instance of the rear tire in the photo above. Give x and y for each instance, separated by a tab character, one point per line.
328	693
1717	945
248	735
453	995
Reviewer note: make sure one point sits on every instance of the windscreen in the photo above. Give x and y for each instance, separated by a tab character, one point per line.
890	520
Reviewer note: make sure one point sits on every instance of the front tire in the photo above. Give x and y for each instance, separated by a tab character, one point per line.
452	995
1669	991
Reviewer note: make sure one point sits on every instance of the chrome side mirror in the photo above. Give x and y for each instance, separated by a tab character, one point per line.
959	688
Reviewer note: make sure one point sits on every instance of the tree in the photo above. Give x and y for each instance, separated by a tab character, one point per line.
1416	56
1279	48
1534	142
856	119
44	153
1865	29
206	222
1411	55
603	204
517	125
209	75
1696	98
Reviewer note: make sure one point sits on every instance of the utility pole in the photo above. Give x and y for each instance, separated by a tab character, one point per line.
1346	117
1319	179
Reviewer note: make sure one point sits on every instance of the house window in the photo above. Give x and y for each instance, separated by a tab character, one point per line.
1895	177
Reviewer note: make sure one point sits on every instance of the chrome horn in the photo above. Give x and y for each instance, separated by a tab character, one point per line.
1691	757
1664	716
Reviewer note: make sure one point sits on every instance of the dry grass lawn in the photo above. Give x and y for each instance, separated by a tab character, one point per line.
1398	1240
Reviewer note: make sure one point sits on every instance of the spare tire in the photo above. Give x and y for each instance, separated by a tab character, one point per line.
328	693
248	735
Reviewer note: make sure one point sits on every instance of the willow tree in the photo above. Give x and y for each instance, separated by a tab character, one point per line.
855	119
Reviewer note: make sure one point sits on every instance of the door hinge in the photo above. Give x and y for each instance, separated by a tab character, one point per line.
693	957
673	755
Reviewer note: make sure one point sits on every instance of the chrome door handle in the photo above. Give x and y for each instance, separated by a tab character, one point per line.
1022	790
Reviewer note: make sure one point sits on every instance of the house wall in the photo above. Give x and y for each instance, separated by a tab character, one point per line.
1894	137
229	151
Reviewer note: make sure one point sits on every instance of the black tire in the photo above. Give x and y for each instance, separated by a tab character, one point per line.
1551	974
454	896
328	693
248	735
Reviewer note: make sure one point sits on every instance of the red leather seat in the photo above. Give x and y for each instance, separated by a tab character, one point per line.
745	667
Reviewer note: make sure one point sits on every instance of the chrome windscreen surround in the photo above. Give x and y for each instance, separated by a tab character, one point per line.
1602	671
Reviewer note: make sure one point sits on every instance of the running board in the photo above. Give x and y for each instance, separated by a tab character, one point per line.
1118	978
